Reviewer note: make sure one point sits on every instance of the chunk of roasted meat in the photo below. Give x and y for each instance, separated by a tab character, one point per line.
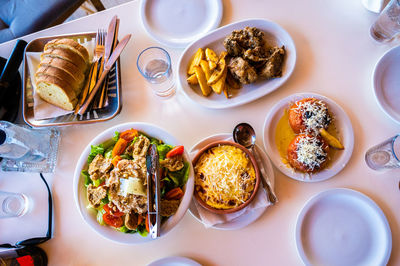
242	70
241	40
169	207
95	195
173	164
273	67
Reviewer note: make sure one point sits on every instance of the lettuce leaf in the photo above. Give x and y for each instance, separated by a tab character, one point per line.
116	136
87	181
163	149
94	150
180	177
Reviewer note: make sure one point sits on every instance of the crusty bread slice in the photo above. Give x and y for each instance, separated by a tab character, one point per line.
60	74
56	91
69	44
65	65
66	54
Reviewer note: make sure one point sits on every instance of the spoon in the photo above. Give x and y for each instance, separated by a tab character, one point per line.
245	135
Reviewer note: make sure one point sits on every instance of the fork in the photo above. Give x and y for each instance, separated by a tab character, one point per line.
93	75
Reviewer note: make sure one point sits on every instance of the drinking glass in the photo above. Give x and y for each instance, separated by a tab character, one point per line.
154	63
13	204
387	25
385	155
28	150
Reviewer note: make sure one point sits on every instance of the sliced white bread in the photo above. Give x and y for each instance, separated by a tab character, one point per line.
60	74
67	66
66	54
56	91
71	45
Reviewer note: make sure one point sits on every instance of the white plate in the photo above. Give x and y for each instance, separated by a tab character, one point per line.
80	191
174	261
274	34
176	23
343	227
342	123
386	82
248	218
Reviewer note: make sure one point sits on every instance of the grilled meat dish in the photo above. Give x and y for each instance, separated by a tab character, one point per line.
242	70
241	40
273	66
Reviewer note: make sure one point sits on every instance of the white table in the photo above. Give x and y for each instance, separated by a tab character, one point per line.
336	57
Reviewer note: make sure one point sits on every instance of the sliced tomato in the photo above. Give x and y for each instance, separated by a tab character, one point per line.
112	220
108	210
174	194
119	147
178	150
129	134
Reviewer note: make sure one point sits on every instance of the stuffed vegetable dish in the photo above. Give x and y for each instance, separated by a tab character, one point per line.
116	180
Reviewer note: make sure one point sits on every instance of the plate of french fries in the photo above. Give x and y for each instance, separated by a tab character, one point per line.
204	76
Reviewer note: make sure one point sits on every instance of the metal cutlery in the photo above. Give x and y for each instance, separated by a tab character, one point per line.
153	191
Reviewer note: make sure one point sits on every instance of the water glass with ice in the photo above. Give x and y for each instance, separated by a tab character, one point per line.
387	26
385	155
13	204
154	63
28	150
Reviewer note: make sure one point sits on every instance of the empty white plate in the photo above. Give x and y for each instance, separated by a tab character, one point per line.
386	82
343	227
176	23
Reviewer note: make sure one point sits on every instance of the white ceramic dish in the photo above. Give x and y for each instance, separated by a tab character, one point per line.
174	261
342	123
343	227
274	34
176	23
248	218
386	80
80	191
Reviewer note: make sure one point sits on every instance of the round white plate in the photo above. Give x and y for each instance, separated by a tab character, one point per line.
342	123
176	23
343	227
274	34
174	261
386	82
248	218
89	215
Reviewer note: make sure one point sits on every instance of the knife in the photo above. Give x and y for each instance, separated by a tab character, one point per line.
153	191
107	66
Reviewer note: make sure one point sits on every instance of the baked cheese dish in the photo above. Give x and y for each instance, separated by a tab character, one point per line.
224	177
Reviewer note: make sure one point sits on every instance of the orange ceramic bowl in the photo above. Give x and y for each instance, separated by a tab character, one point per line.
257	177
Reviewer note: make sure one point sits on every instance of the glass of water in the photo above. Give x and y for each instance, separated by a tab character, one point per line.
387	25
154	63
13	204
385	155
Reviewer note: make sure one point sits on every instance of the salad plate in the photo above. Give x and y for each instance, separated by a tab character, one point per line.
343	227
179	22
342	124
385	83
89	214
248	217
174	261
274	35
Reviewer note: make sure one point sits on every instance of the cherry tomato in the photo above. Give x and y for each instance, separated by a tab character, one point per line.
129	134
174	194
108	210
178	150
112	220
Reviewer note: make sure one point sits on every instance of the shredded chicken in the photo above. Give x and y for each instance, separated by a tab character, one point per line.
95	195
173	164
99	166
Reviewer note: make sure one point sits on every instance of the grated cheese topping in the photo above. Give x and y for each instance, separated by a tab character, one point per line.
314	115
225	177
310	152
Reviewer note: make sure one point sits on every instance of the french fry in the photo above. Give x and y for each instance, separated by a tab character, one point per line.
211	55
226	91
218	87
192	79
212	65
201	77
218	72
204	66
198	56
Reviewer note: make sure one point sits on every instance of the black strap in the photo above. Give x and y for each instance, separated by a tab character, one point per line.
37	240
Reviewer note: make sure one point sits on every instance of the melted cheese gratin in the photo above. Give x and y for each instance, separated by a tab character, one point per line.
310	152
224	177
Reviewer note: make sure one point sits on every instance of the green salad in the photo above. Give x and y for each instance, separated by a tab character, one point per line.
116	180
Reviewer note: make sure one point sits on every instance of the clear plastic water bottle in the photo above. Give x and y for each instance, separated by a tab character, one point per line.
28	150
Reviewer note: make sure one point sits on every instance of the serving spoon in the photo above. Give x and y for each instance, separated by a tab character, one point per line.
245	135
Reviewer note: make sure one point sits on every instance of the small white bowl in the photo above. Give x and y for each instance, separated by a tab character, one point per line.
90	215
